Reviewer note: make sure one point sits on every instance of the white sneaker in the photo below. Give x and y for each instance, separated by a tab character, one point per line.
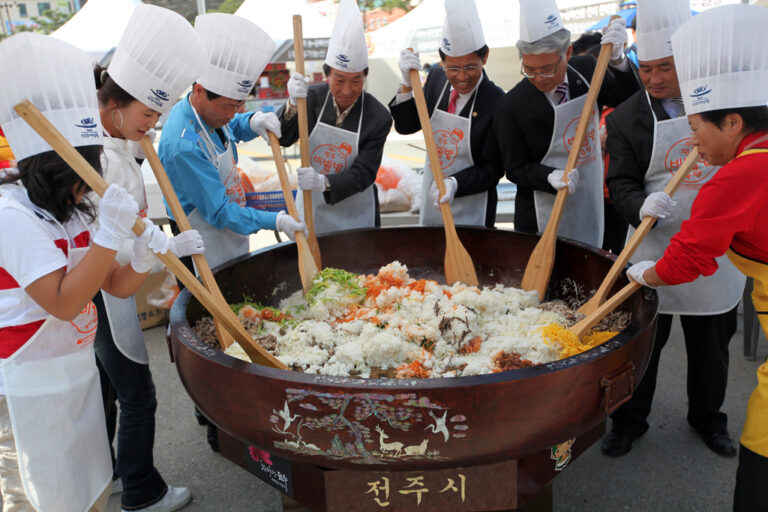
174	499
117	486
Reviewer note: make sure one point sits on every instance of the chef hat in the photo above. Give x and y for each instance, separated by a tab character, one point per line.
721	56
158	57
462	31
238	51
656	20
538	19
58	79
347	50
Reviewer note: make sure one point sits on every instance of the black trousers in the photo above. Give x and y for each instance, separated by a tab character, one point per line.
706	345
131	384
616	227
751	493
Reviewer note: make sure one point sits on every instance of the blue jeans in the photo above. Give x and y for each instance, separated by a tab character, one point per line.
131	384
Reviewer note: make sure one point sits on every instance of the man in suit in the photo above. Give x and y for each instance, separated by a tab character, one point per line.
347	128
460	99
648	138
535	123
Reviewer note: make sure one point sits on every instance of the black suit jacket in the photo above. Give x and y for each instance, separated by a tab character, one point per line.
486	172
630	145
373	133
523	128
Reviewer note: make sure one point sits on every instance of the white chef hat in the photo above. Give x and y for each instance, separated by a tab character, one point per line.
238	51
58	79
721	56
158	57
656	20
347	50
538	19
462	31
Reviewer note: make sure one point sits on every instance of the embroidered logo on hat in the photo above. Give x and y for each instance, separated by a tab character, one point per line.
700	95
158	97
342	60
245	86
446	44
551	19
89	127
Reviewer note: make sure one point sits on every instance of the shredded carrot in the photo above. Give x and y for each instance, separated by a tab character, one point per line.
472	346
447	294
414	370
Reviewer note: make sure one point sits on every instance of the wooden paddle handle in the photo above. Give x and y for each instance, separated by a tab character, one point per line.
307	267
225	338
539	268
592	319
309	218
80	165
637	237
459	270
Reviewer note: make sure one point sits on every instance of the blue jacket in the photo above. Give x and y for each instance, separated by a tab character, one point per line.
196	179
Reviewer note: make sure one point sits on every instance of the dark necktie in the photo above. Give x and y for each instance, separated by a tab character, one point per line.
678	100
561	93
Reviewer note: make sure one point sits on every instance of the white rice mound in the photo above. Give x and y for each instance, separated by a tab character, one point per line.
388	330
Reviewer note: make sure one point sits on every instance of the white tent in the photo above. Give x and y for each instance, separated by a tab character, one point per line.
276	18
422	28
98	26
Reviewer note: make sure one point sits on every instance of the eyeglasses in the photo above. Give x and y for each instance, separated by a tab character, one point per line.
467	69
546	71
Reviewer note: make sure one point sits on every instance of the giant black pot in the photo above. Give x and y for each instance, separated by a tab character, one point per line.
412	424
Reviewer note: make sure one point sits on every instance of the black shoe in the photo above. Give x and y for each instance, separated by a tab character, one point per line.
616	444
720	443
213	438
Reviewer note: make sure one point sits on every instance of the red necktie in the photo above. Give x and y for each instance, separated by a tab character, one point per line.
452	102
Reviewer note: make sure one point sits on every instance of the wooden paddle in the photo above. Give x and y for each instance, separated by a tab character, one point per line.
307	268
542	259
309	219
80	165
458	263
225	338
637	237
583	327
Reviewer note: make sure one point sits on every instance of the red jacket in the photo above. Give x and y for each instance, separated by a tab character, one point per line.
730	211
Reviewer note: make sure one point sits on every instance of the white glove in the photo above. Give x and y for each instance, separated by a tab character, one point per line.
151	241
261	123
615	33
658	205
450	190
555	179
289	226
139	152
297	87
309	179
408	60
187	243
117	213
636	271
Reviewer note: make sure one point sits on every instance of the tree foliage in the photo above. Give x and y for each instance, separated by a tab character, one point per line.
48	21
228	6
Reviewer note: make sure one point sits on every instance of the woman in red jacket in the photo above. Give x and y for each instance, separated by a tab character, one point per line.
722	61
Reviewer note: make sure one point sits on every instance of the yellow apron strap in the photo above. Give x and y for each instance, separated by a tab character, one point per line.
755	434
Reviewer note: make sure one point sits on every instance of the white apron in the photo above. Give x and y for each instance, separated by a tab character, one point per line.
710	295
55	404
221	245
332	151
452	138
582	218
122	315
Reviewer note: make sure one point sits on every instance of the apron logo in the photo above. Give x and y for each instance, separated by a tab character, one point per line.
674	158
330	159
589	149
86	323
448	146
234	186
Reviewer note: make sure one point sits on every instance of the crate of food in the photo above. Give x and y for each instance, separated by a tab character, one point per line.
269	201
